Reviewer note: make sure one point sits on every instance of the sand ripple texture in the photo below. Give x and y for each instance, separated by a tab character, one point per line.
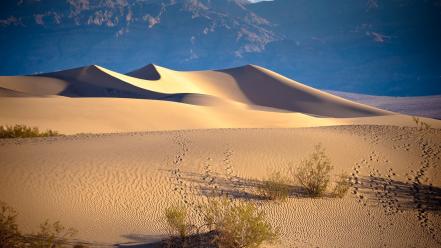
114	188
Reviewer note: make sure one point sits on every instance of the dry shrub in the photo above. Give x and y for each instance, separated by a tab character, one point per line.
227	224
314	173
239	224
342	185
275	187
176	217
421	125
22	131
10	237
51	235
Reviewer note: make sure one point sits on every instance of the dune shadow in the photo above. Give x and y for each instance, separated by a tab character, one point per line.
194	240
387	192
278	92
393	194
234	187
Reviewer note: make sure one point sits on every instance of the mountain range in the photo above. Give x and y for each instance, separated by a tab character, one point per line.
366	46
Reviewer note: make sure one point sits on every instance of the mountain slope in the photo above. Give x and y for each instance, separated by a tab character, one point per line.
428	106
369	46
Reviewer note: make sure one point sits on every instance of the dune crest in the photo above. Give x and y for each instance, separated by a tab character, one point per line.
96	99
148	72
249	120
250	84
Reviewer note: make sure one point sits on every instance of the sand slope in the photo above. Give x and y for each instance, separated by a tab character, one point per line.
94	99
114	188
251	85
110	115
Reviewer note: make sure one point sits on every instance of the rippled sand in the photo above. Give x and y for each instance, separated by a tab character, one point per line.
114	188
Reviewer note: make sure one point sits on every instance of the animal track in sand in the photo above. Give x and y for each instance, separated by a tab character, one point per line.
376	188
178	183
429	155
384	191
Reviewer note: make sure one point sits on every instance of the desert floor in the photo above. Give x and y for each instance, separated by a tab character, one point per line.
114	188
157	134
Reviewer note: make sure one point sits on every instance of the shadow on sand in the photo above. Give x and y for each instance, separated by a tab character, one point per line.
394	196
399	195
233	187
205	240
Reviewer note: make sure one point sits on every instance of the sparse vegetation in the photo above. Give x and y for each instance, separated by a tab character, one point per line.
50	235
225	221
275	187
314	173
421	125
342	186
10	237
23	131
239	225
177	221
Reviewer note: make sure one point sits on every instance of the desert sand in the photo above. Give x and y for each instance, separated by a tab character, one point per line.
114	181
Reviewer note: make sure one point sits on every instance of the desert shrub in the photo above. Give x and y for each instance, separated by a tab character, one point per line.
342	185
10	237
177	221
275	187
314	173
51	235
421	125
22	131
239	224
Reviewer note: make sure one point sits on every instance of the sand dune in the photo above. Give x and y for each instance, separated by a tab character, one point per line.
255	85
115	188
94	99
251	85
109	115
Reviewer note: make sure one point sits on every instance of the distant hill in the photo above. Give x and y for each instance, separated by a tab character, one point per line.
369	46
427	106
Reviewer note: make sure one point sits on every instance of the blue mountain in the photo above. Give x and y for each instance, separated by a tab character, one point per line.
367	46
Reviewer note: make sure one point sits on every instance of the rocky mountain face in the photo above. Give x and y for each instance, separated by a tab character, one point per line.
377	47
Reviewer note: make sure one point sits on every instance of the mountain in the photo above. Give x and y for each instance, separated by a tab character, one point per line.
375	47
427	106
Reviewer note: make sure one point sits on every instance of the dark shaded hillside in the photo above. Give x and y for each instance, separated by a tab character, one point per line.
378	47
427	106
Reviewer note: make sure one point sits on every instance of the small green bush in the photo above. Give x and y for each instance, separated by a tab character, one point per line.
10	237
275	187
342	185
228	224
51	235
239	225
314	173
22	131
176	217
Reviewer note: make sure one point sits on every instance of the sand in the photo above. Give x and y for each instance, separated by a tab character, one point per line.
114	188
93	99
114	181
